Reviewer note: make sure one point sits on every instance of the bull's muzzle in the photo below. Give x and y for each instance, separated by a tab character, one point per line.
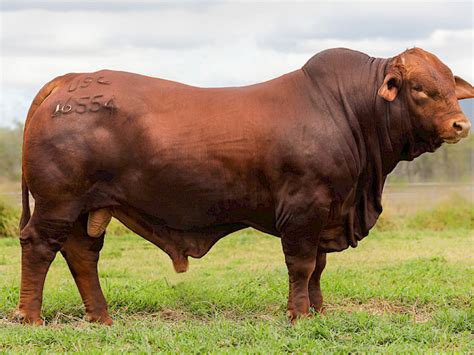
462	128
457	129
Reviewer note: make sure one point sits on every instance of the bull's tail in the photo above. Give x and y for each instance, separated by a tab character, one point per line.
25	202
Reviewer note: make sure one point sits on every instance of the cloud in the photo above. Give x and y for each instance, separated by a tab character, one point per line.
97	5
364	20
281	26
212	44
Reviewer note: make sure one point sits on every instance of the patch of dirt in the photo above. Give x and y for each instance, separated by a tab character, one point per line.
380	307
173	315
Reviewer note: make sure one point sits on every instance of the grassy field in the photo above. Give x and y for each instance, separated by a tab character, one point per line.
407	287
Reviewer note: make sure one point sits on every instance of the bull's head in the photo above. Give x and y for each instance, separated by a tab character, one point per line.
431	92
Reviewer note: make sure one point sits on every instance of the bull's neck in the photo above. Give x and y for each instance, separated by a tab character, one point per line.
352	80
387	125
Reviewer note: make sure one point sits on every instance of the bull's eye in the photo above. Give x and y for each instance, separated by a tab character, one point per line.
418	93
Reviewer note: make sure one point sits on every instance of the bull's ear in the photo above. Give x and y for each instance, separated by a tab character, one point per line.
464	90
391	85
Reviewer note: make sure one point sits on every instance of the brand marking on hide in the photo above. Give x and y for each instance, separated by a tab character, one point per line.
83	83
84	104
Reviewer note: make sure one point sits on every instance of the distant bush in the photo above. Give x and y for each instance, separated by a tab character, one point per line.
388	221
9	219
452	162
454	213
10	152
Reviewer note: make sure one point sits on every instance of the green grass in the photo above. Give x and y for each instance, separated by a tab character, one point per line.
401	290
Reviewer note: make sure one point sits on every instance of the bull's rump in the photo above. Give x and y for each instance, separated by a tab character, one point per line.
188	156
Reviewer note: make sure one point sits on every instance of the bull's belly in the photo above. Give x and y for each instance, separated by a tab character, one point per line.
183	230
185	209
195	213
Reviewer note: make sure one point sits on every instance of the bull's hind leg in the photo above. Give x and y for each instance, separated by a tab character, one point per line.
82	255
40	240
315	295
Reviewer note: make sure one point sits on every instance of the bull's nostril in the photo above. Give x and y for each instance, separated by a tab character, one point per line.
462	128
458	127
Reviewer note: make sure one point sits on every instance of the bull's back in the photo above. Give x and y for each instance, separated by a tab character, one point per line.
152	143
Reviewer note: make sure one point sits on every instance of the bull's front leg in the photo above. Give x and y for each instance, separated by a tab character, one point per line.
300	234
315	294
300	258
82	255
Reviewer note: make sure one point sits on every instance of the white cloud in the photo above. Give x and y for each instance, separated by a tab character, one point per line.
453	47
212	44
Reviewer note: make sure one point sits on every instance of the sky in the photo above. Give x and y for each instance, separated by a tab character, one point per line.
224	43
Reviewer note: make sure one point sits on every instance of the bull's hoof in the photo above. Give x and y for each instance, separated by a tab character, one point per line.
294	316
318	307
22	317
101	319
320	310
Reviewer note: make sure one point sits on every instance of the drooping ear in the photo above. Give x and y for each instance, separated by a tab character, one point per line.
464	90
391	85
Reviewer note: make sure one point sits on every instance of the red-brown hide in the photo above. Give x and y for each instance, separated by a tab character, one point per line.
303	157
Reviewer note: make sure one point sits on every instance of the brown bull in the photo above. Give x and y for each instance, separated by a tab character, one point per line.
303	157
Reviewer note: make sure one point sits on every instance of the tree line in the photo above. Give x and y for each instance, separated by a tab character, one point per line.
450	163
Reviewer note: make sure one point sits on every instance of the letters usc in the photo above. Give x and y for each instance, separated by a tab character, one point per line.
83	104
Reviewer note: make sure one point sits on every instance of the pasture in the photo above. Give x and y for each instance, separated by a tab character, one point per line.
407	287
